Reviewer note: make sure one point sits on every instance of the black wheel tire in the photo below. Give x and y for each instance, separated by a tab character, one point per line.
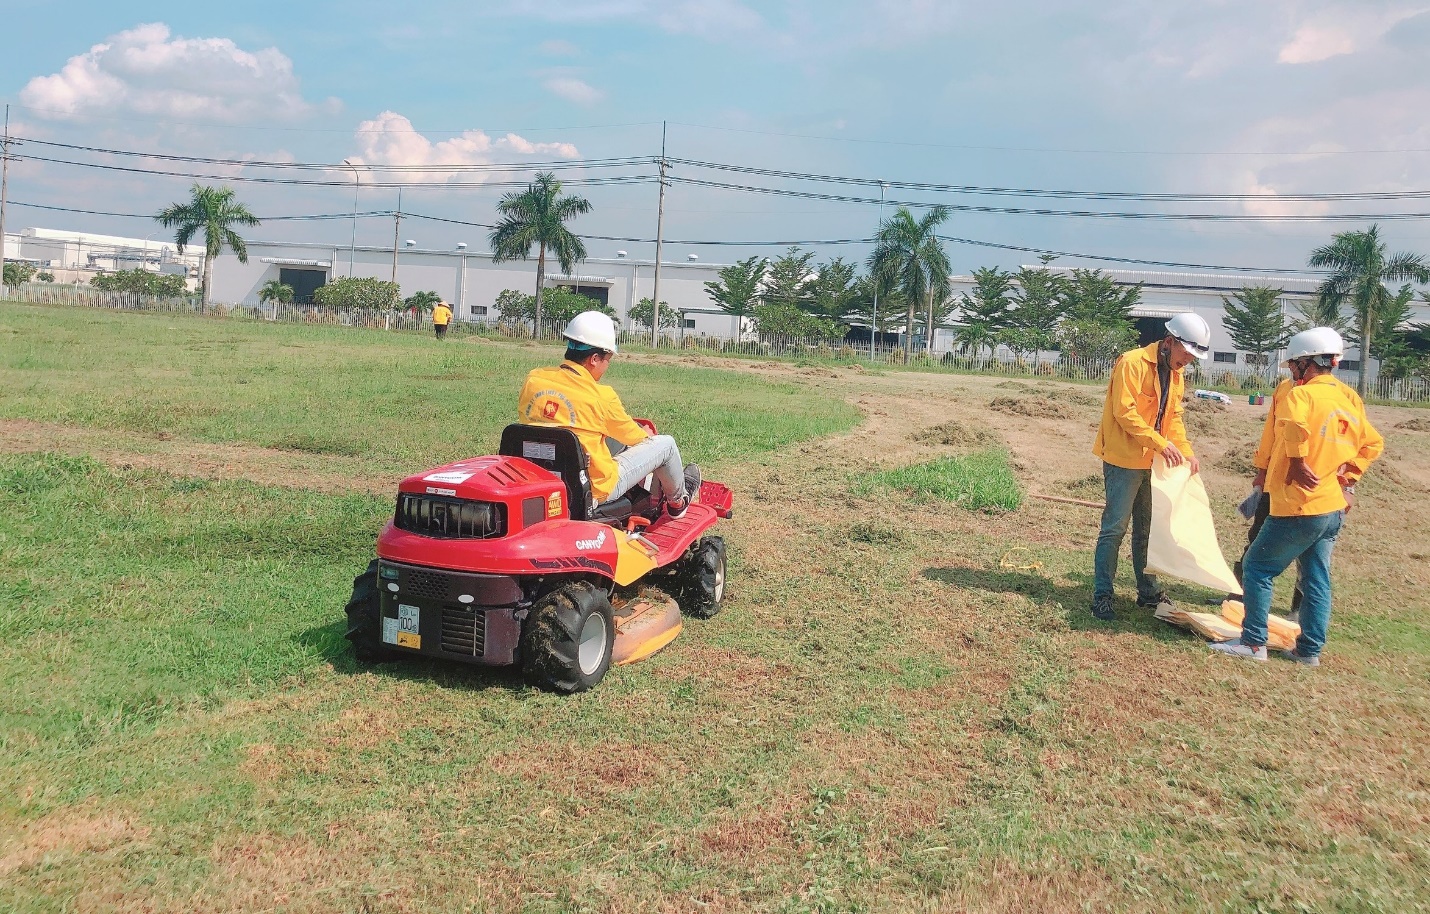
365	618
700	579
567	641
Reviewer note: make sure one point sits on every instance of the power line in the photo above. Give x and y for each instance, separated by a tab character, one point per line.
1024	211
257	163
1056	150
387	214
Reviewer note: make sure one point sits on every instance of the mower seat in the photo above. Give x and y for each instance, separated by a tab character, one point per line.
559	450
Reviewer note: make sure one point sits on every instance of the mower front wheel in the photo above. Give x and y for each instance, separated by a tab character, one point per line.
701	578
365	618
567	641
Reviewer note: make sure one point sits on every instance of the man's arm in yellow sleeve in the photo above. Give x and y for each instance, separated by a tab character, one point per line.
1124	407
1262	458
619	424
1372	446
1292	425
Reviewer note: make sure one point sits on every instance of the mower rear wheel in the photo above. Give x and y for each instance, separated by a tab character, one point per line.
701	578
365	618
567	640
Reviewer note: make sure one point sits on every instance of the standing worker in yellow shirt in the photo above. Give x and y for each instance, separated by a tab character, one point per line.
1322	444
441	317
1141	419
1262	504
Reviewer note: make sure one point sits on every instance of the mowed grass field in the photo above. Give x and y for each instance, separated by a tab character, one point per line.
905	705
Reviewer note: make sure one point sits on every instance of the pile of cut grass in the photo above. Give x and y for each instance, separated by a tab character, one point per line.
981	481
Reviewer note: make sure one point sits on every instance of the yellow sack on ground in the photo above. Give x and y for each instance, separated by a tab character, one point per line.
1211	626
1281	633
1183	541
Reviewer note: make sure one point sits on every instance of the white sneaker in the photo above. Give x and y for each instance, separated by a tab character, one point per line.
1237	649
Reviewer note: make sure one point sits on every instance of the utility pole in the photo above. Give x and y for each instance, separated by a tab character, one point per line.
352	248
874	320
396	228
659	238
4	186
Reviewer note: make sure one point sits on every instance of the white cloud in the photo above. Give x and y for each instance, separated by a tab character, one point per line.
574	90
145	71
389	139
1341	31
712	18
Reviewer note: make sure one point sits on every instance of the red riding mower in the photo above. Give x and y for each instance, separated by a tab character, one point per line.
506	560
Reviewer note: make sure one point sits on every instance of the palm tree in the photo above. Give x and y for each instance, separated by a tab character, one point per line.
908	256
1359	272
276	291
213	211
537	216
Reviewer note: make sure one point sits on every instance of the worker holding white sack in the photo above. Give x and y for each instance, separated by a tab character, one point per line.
1322	444
1142	419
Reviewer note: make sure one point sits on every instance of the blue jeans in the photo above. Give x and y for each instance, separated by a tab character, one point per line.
657	454
1129	497
1308	542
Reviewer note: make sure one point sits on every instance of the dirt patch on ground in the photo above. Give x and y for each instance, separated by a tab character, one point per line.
67	834
1238	459
1418	424
1198	405
1033	407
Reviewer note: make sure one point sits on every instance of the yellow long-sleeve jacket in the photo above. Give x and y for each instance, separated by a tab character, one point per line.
441	315
1126	438
1323	421
568	396
1262	459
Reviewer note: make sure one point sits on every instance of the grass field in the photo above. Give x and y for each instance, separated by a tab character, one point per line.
905	705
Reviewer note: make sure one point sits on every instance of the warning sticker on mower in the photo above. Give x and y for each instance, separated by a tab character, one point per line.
404	630
450	476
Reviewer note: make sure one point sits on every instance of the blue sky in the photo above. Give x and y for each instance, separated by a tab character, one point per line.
1266	98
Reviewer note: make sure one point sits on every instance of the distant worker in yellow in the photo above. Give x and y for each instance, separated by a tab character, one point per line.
1141	419
572	395
1322	445
441	317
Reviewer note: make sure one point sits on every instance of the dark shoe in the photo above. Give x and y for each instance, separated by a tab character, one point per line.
677	508
1102	608
1302	658
692	481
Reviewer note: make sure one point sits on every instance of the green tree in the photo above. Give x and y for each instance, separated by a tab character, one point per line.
774	319
1322	312
362	293
1360	270
907	256
141	282
1093	295
1088	338
1256	321
1391	339
18	273
45	277
834	291
214	212
537	217
985	314
1038	296
276	291
559	305
422	301
641	311
737	291
789	279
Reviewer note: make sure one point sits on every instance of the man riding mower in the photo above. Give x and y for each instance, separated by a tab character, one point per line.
549	554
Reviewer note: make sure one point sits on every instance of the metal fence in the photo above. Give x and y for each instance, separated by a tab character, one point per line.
1234	379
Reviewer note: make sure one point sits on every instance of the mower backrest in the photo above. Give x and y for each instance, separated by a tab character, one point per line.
557	450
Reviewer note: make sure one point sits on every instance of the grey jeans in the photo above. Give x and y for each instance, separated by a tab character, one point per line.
657	454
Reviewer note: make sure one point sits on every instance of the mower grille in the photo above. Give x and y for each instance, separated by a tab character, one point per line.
426	584
464	631
450	518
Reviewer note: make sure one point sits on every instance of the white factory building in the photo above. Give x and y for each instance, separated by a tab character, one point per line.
469	281
77	256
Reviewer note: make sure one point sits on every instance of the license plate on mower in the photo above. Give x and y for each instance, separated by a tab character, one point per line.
404	630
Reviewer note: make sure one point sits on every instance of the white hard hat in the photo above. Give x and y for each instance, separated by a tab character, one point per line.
593	329
1193	333
1316	341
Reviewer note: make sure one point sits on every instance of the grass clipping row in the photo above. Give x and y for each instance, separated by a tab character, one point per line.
981	481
